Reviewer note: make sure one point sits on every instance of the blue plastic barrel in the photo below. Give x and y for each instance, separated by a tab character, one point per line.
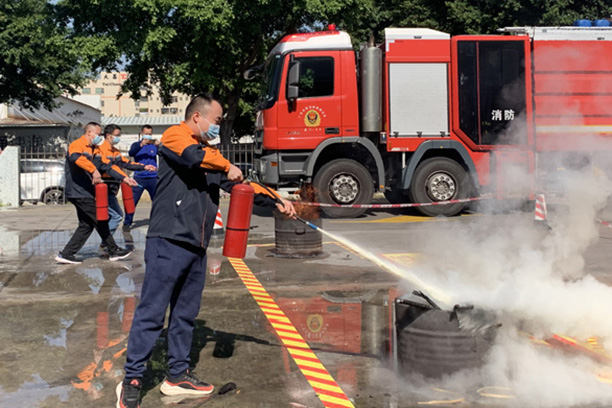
582	23
601	23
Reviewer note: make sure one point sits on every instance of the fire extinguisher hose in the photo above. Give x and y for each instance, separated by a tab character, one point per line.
279	201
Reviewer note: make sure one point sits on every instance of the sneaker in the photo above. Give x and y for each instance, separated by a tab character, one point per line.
103	249
127	227
67	259
185	384
120	253
128	395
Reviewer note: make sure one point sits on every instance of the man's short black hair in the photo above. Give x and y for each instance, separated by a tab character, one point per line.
91	125
146	127
200	103
109	129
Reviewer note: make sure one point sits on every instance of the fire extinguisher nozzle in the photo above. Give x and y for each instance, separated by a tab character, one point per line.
311	225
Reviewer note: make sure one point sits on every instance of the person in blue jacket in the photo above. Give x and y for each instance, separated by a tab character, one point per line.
145	152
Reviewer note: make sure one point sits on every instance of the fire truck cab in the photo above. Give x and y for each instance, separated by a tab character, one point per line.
424	117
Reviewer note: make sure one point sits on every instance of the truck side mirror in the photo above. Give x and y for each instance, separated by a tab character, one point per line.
293	80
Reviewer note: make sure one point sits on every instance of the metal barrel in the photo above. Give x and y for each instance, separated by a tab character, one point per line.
295	239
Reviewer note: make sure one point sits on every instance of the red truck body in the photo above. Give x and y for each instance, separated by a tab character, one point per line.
425	117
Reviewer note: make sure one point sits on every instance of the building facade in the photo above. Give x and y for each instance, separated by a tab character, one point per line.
108	85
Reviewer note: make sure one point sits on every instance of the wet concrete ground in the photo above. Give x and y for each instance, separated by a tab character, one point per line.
63	329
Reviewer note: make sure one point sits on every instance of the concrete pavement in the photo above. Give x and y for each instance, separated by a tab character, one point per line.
64	328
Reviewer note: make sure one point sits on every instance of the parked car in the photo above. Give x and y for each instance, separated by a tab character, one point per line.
42	180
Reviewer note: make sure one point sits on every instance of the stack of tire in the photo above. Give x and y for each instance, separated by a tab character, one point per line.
434	343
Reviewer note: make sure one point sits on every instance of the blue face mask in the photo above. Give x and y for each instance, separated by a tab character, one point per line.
211	133
116	140
97	140
147	137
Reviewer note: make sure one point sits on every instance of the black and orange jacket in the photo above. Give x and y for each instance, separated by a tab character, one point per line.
187	195
80	166
113	155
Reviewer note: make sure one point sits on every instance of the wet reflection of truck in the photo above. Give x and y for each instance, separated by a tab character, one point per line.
432	118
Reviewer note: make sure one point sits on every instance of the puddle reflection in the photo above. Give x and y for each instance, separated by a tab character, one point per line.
74	344
32	393
44	242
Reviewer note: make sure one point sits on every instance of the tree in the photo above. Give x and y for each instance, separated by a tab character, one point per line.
188	46
195	46
464	16
40	62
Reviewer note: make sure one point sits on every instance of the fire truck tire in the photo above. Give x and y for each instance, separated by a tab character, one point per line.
439	179
343	181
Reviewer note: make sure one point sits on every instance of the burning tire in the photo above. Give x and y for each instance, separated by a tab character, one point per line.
434	346
343	182
435	342
440	179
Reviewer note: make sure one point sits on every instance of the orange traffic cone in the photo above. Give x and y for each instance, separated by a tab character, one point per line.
540	211
218	228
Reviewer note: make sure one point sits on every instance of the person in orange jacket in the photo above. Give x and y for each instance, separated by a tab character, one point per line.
81	176
190	174
108	149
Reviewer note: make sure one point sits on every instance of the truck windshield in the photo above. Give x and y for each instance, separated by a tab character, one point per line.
269	90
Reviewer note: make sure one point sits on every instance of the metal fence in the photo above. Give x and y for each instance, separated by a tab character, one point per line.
42	178
239	154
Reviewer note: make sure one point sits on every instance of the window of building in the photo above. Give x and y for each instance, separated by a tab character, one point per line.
174	99
99	90
102	103
169	111
144	99
86	91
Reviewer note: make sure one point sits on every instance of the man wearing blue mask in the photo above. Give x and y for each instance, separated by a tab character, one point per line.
81	176
190	174
144	151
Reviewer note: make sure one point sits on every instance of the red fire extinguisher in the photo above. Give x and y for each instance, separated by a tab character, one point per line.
128	198
101	202
238	221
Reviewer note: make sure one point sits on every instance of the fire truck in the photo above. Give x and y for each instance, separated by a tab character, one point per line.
426	117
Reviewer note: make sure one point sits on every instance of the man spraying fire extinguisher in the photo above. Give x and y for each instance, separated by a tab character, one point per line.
190	174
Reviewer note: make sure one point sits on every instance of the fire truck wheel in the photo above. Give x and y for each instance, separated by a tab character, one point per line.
343	181
439	179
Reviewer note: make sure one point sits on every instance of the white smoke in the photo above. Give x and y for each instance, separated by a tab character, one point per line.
534	280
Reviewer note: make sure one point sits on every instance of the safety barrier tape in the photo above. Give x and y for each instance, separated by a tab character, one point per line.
404	205
605	223
326	388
